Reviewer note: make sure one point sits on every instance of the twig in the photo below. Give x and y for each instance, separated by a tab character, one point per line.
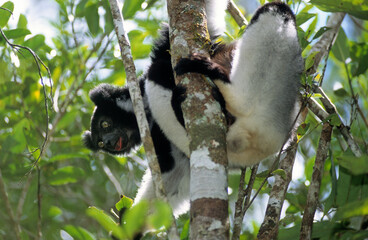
314	188
112	178
236	14
13	221
355	98
23	197
136	97
242	203
6	10
38	61
331	109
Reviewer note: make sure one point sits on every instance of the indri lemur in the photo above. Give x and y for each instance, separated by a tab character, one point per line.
114	127
258	78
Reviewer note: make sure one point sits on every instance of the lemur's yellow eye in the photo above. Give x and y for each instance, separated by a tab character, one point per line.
105	124
101	144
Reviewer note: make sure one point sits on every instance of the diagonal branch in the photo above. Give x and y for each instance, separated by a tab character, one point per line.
136	97
236	14
269	227
314	188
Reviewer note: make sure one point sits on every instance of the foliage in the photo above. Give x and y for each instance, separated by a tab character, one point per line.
72	191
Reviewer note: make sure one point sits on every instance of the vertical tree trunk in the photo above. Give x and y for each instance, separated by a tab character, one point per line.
204	123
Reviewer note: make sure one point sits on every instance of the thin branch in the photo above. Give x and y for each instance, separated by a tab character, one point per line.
6	10
314	188
13	221
239	205
38	62
242	203
331	109
270	225
112	178
23	197
136	97
236	14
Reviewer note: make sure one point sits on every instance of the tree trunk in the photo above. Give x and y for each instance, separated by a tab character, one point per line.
204	123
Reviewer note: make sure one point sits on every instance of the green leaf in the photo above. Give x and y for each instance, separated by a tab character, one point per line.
341	92
303	129
131	7
35	42
135	217
67	156
343	187
79	233
310	60
320	32
16	33
106	222
353	209
93	19
139	49
341	48
185	232
66	175
334	119
359	55
5	15
17	142
124	202
54	211
80	9
303	17
302	38
162	217
109	26
22	22
357	8
280	172
356	165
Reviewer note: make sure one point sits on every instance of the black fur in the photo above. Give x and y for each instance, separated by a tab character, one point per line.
122	124
276	8
202	65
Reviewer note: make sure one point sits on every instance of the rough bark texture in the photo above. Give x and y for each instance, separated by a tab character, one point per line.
313	191
236	14
204	123
270	226
136	97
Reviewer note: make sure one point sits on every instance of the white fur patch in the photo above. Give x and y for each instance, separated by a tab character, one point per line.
176	184
263	90
159	100
216	11
124	105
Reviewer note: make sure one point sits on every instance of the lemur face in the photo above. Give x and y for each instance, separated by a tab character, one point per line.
114	128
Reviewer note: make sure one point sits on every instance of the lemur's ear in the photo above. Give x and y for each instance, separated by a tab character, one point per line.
87	141
102	94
